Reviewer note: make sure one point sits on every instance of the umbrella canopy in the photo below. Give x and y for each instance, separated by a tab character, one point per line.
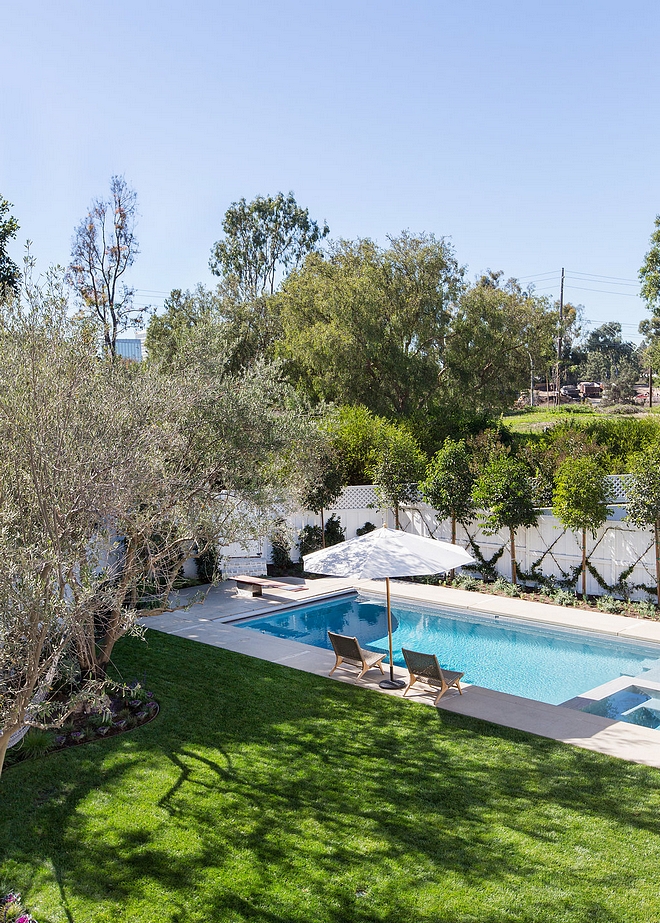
386	553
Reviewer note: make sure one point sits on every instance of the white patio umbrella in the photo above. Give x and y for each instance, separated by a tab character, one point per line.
385	553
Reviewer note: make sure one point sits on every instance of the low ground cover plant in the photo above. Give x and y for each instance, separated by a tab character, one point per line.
120	709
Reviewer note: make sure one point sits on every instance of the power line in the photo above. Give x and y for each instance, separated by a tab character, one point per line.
601	291
596	276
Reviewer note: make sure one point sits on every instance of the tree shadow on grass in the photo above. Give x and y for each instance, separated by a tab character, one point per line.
263	793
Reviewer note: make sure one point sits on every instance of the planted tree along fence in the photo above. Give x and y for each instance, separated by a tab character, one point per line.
620	559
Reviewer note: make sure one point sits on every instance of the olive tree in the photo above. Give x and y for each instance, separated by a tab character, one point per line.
580	501
503	491
110	477
643	493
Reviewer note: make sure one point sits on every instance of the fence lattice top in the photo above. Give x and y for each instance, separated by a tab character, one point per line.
364	495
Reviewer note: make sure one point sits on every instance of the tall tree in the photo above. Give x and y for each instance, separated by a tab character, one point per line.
580	500
263	238
109	478
367	326
504	492
643	507
104	248
10	274
498	337
649	273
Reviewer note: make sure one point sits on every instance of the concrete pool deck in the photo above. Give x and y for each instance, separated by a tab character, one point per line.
215	621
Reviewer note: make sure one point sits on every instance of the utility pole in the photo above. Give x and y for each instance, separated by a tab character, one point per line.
560	338
650	386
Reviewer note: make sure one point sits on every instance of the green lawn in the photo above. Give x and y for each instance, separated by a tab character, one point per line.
262	793
532	420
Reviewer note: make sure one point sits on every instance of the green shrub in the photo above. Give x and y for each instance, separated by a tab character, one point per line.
505	587
367	527
467	582
623	409
280	550
645	609
310	539
609	604
207	564
564	598
334	533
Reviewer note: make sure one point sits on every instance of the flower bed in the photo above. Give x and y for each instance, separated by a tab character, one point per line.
119	711
12	911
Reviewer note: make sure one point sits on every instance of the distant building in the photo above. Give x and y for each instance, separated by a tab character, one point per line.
129	349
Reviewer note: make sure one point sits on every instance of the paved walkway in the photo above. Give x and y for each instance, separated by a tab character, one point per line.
214	621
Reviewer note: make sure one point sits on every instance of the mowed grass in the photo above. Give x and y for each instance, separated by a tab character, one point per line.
265	794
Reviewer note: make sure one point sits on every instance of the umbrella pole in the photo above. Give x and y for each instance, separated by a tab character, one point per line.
390	683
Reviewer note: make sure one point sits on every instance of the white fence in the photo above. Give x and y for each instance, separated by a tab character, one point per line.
618	550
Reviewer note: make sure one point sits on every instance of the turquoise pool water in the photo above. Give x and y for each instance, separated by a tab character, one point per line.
634	705
509	655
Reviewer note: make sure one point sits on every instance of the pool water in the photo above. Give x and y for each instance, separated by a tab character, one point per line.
634	705
508	655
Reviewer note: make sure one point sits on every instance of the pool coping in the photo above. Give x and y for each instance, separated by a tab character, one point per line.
214	621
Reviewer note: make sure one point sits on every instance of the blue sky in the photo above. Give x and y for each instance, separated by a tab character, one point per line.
527	132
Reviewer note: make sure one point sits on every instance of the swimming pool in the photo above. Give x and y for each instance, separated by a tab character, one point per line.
537	662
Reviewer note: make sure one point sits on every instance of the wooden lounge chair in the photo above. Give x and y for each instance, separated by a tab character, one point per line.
425	667
348	650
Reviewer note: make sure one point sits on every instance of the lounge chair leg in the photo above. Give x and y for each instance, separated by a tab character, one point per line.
413	679
440	695
337	662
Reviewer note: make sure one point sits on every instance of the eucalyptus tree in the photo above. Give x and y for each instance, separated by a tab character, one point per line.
263	239
104	247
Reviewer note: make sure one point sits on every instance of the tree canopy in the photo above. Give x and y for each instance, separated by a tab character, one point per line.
167	332
366	325
262	238
649	273
580	500
447	487
104	247
111	476
500	333
503	492
10	274
643	494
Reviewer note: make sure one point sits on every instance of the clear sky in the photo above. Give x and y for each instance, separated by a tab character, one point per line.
525	131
